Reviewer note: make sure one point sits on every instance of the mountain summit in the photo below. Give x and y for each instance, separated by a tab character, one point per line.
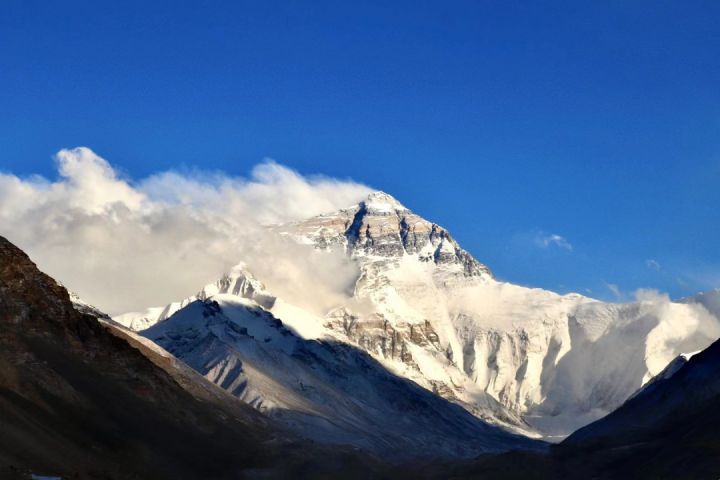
382	202
380	228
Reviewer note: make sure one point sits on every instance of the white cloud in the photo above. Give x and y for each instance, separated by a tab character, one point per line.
652	264
677	326
126	245
615	290
545	241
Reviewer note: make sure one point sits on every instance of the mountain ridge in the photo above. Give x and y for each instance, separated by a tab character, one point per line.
80	398
325	390
523	358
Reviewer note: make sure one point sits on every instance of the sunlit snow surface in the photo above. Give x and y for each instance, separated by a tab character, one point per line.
327	390
532	360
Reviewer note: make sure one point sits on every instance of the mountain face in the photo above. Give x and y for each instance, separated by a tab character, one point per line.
325	390
82	398
425	309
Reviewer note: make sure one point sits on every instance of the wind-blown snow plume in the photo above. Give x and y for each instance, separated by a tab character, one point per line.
675	327
123	245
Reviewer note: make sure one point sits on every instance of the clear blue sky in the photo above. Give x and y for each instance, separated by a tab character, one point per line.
504	121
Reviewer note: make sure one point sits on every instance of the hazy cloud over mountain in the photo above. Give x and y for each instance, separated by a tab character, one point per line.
110	239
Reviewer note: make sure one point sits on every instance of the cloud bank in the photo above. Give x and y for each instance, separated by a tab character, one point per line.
126	245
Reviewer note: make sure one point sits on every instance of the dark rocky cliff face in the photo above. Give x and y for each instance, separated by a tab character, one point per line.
79	401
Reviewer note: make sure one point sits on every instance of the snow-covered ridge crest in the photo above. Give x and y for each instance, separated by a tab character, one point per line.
381	202
326	390
238	281
430	312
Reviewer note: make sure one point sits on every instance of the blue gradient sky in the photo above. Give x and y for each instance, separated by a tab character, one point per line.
506	122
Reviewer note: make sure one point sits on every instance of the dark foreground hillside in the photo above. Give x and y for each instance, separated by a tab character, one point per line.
670	430
79	401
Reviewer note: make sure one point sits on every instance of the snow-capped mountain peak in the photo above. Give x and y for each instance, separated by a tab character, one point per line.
382	203
430	312
238	282
381	229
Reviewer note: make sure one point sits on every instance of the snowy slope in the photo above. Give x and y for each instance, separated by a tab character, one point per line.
328	391
428	311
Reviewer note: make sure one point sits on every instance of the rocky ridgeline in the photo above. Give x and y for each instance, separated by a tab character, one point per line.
238	282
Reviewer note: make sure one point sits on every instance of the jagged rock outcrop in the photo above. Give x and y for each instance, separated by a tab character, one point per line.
379	337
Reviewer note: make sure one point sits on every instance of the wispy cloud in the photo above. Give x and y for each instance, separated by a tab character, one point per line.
615	290
653	264
126	245
543	240
700	277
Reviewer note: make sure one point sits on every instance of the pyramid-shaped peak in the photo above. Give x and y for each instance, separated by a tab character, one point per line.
382	202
